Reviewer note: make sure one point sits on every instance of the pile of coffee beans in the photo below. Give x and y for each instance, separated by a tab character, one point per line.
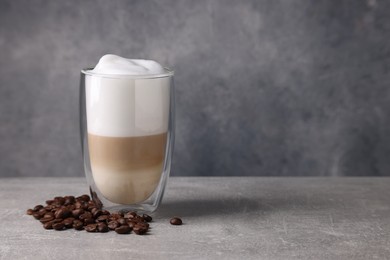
81	213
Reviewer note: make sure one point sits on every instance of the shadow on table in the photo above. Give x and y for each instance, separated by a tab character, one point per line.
265	205
194	207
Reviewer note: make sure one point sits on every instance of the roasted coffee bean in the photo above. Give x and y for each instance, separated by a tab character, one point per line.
48	214
42	211
47	219
49	202
122	221
131	223
102	227
176	221
57	220
78	225
36	215
105	212
81	205
48	225
84	197
138	219
147	217
77	212
139	230
97	213
37	207
113	225
62	213
71	207
69	200
115	216
102	218
91	228
130	214
68	222
123	229
88	221
85	215
50	207
143	224
59	200
58	226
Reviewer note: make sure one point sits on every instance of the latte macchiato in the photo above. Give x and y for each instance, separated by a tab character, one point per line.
127	124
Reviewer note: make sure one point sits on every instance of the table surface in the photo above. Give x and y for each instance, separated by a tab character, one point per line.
224	218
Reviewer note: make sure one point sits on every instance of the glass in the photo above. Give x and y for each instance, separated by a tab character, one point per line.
127	137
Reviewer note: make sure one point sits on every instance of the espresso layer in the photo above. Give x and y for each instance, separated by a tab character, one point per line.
127	170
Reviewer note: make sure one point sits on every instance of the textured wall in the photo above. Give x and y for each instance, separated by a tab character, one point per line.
263	87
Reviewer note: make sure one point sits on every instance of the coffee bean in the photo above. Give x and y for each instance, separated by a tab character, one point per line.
113	225
105	212
122	221
77	212
50	207
142	224
68	222
102	227
42	211
49	202
139	230
69	200
86	215
97	213
36	215
91	228
71	207
48	225
81	205
176	221
131	223
78	225
147	217
130	214
48	214
47	219
102	218
139	219
88	221
123	230
58	226
83	213
59	200
115	216
62	213
84	197
37	207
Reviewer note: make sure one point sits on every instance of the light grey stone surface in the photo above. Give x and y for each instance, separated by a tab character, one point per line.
225	218
264	87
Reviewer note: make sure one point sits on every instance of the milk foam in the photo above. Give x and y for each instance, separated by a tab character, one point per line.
125	106
116	65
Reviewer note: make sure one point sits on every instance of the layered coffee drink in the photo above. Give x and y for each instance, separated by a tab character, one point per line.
127	124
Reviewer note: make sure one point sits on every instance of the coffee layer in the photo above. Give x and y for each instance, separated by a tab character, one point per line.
127	170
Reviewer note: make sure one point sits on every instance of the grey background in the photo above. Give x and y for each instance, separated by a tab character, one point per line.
263	87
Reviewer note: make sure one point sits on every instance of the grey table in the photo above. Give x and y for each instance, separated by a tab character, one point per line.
225	218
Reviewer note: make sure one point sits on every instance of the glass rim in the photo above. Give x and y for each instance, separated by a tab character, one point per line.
167	73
